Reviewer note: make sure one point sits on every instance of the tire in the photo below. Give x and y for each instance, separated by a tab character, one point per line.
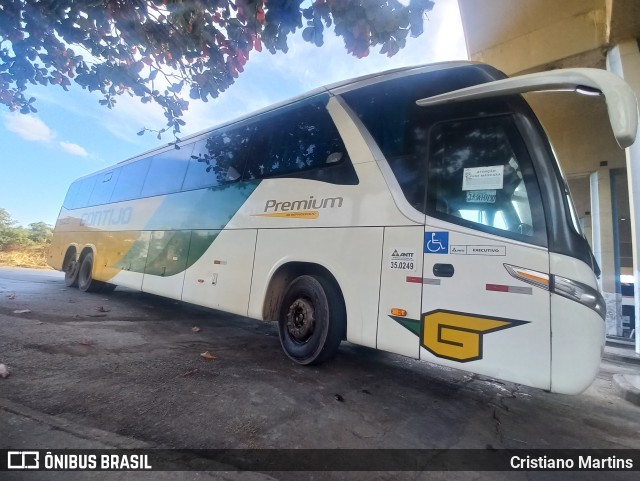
108	288
86	282
312	320
71	269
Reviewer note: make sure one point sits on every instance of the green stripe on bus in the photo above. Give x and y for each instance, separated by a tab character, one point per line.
183	227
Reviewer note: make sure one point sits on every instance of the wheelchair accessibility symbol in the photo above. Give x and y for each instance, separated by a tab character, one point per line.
436	242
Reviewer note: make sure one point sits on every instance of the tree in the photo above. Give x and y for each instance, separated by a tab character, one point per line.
10	234
40	232
158	49
5	219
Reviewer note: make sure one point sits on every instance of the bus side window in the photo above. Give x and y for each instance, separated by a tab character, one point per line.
167	171
130	180
301	138
480	175
69	200
219	159
104	187
84	192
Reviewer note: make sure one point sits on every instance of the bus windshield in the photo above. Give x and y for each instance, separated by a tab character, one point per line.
467	165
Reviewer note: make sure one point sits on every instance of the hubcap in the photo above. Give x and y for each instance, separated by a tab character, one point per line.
300	320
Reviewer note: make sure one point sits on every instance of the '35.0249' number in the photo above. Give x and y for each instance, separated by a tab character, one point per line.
402	265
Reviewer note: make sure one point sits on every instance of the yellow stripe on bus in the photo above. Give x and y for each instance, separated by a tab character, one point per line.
308	214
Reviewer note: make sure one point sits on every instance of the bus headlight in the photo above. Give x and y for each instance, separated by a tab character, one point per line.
579	292
574	290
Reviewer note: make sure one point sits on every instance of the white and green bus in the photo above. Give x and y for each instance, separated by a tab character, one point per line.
419	211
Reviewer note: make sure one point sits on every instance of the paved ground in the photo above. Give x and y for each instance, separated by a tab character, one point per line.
129	364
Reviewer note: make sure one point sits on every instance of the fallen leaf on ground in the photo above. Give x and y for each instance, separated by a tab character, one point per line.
189	373
207	355
86	341
102	309
4	371
22	311
195	329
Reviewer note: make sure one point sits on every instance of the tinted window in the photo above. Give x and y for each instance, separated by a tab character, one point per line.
84	192
296	138
432	149
167	171
480	175
104	187
130	180
219	158
389	112
71	195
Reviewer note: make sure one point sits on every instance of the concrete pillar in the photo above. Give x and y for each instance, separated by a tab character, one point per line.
624	60
603	243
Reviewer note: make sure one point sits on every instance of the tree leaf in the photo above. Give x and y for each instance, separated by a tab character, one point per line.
205	48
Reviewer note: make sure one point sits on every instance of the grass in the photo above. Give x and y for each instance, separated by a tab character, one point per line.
25	256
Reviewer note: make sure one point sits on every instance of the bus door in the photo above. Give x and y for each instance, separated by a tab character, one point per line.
485	307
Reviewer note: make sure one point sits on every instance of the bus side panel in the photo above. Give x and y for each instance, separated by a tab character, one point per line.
577	342
401	288
220	277
58	248
577	332
118	251
480	318
119	257
166	262
128	258
352	255
369	203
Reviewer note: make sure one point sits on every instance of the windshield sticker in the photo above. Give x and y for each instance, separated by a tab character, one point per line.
483	178
481	196
403	260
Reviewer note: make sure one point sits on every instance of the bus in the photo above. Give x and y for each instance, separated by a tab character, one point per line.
420	211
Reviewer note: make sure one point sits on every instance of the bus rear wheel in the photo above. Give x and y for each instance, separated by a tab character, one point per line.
86	282
312	320
71	268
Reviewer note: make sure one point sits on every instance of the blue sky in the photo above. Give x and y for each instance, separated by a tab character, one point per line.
72	135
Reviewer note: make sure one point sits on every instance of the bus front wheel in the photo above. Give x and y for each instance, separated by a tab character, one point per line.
312	320
86	282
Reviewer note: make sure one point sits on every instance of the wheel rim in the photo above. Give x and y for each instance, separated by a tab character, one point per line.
72	267
301	320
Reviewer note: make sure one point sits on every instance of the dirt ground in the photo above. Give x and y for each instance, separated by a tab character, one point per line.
130	363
